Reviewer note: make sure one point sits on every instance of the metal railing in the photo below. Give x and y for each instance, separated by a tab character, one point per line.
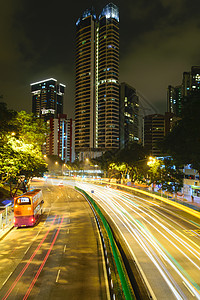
6	216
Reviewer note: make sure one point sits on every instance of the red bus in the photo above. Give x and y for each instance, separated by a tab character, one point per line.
27	208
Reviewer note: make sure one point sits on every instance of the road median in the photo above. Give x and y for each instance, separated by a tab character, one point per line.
125	283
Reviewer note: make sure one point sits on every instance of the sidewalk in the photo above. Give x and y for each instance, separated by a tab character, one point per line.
195	202
184	200
5	231
6	217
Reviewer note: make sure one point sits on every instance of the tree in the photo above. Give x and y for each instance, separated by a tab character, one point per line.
128	161
21	148
171	177
6	115
165	174
134	158
183	142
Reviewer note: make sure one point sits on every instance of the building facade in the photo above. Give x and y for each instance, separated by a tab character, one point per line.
47	103
174	100
154	131
47	98
191	182
129	115
97	81
190	87
60	141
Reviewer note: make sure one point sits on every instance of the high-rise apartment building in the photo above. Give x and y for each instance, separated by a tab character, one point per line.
154	131
174	100
61	138
129	115
97	81
47	98
156	126
190	87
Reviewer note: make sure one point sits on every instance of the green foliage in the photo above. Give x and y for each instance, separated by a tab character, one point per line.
30	129
21	141
5	117
128	161
163	173
183	142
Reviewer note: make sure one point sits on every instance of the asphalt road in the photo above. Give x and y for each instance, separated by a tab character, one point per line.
60	258
163	240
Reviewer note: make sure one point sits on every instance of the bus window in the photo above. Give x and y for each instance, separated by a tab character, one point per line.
23	201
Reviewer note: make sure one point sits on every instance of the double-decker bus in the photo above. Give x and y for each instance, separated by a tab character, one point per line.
27	208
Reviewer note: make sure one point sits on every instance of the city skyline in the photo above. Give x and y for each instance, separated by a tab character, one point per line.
158	42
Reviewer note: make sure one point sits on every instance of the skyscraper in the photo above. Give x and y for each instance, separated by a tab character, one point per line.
174	100
61	138
179	95
97	81
154	131
47	98
129	115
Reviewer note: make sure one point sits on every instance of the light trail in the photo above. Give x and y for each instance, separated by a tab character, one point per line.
187	246
28	263
43	263
126	212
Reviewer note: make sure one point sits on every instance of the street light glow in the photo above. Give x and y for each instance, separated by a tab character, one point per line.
151	161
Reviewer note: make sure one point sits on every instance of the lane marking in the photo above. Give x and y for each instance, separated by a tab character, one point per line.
28	263
58	276
188	288
27	249
13	251
43	263
64	248
7	278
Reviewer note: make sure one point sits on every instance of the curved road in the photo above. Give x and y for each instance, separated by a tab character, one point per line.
59	258
163	240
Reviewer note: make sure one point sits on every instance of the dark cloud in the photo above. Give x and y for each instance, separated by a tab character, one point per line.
159	40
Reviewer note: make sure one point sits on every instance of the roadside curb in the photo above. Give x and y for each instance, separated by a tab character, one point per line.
127	289
186	208
5	232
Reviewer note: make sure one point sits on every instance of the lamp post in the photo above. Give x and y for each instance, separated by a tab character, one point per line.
151	163
96	166
63	166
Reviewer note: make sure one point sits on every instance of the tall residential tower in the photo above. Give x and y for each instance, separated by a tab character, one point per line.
97	81
47	98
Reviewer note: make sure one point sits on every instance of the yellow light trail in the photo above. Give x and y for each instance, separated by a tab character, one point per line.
123	209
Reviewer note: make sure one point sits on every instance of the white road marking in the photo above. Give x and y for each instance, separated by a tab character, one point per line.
7	278
64	248
27	249
188	288
58	276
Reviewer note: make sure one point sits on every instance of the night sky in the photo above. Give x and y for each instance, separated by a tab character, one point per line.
159	40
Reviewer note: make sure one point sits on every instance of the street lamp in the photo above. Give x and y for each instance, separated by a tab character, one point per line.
96	166
151	161
64	165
